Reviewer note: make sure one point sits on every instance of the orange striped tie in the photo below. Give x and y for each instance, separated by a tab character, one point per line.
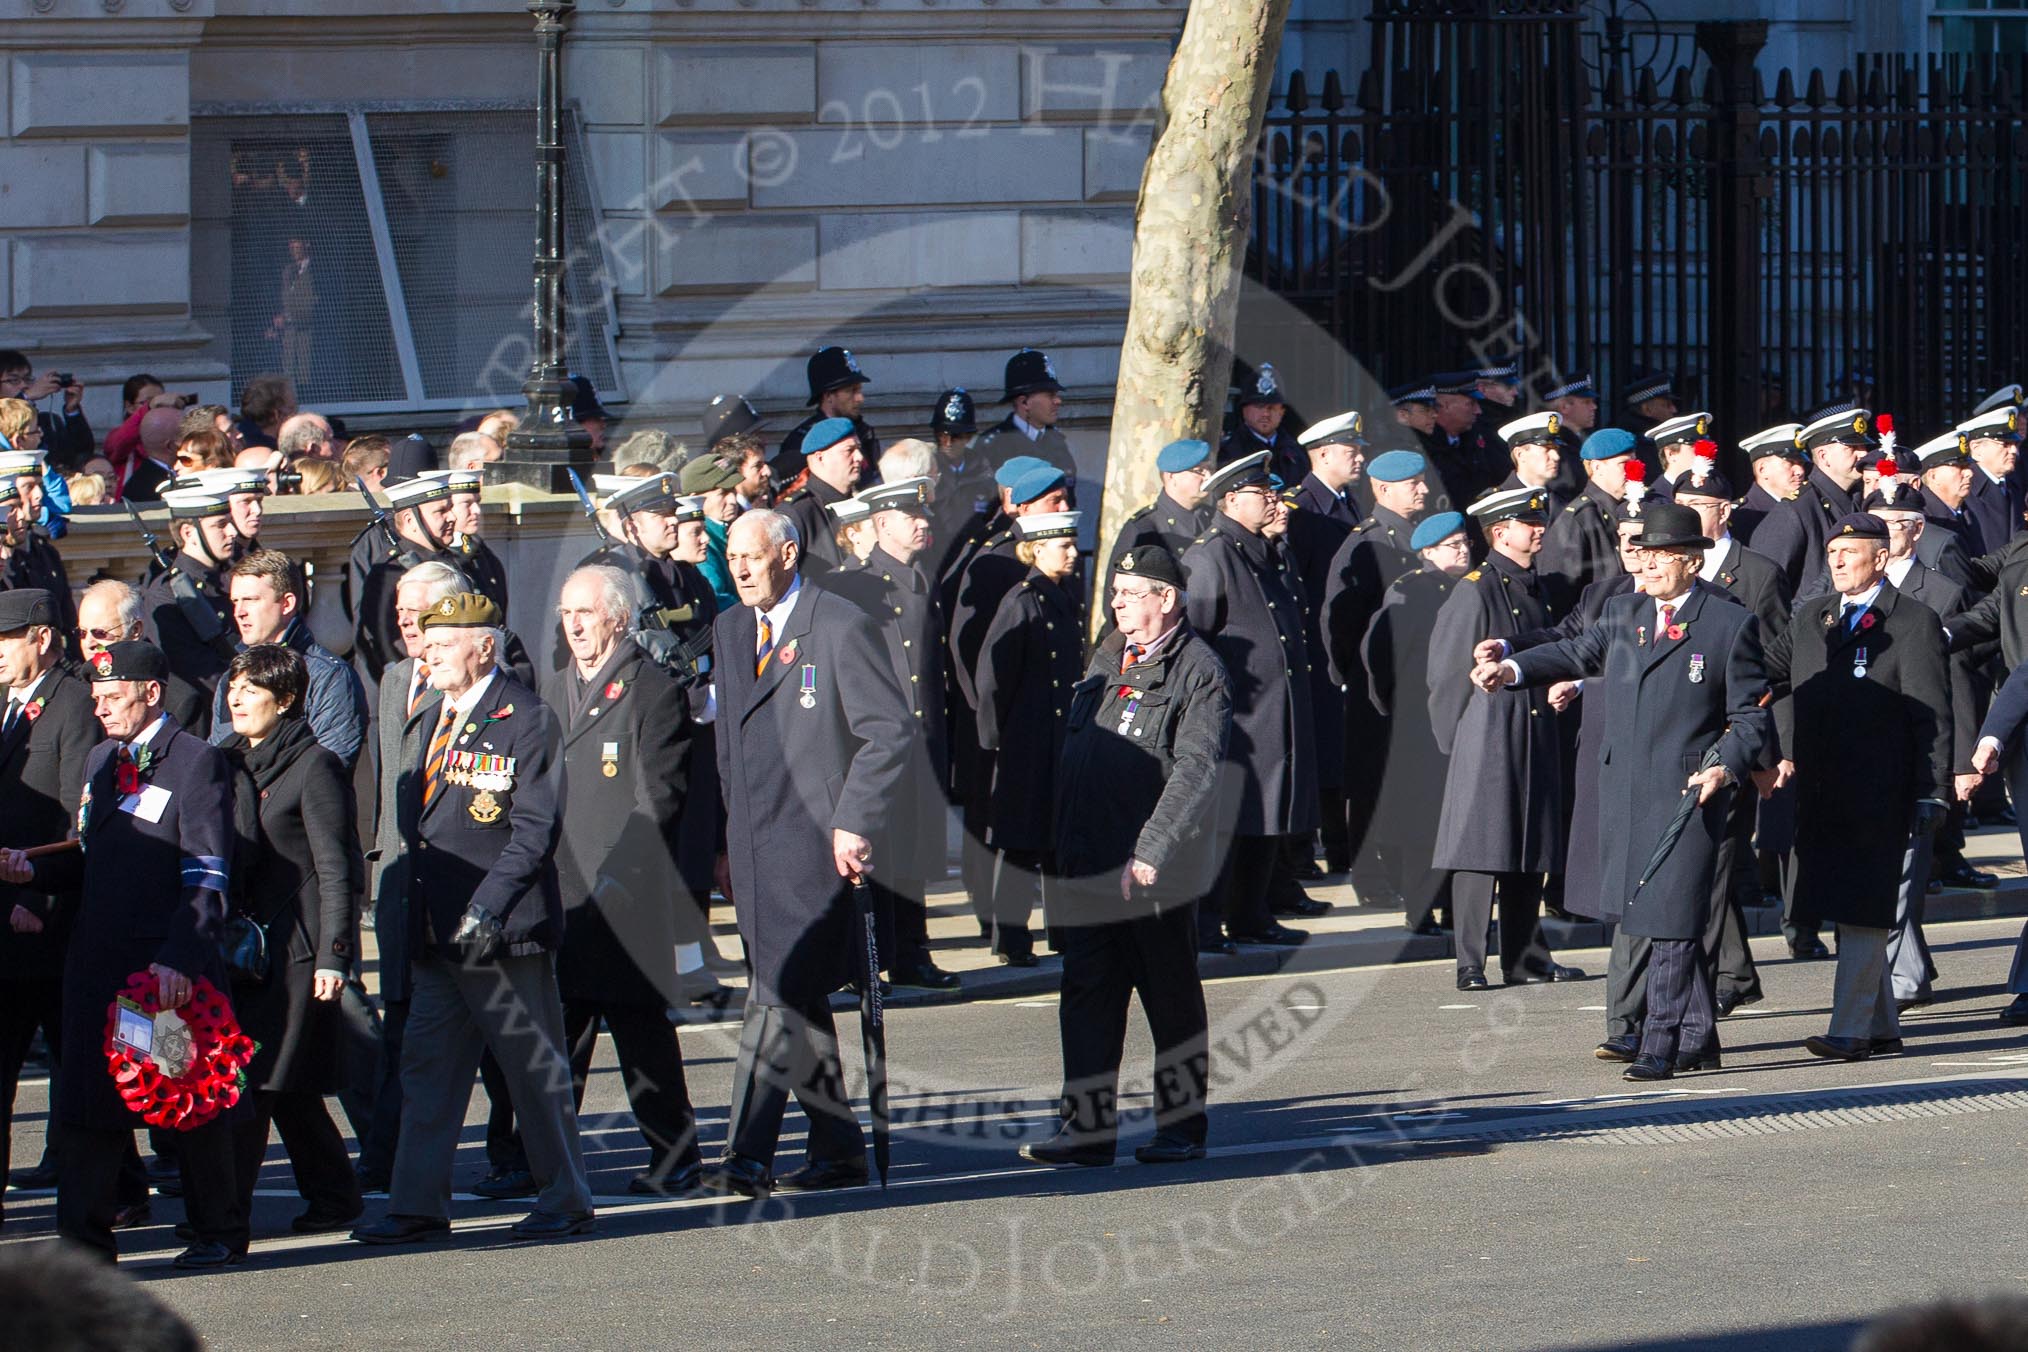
440	745
767	646
422	687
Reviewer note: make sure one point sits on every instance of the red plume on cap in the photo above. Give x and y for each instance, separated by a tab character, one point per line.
1887	469
1705	449
1637	472
1884	422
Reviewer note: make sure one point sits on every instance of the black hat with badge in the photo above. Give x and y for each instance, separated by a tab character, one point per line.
584	401
25	606
1710	483
411	458
1249	471
833	368
1512	504
1859	526
957	413
1665	525
727	415
1258	387
130	660
1030	371
1153	562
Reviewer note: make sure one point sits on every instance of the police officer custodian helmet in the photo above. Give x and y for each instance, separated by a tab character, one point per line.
1028	372
727	415
833	368
957	413
1262	387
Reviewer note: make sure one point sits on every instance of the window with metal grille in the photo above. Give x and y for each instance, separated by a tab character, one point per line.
382	260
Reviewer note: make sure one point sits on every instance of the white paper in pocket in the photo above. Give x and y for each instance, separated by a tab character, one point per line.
149	804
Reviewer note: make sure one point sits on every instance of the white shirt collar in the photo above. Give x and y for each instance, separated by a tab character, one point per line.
778	615
1862	600
1991	477
1026	429
1897	569
147	734
1715	557
1675	605
472	698
26	694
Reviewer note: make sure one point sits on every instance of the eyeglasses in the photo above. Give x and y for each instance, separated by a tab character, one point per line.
99	635
1132	593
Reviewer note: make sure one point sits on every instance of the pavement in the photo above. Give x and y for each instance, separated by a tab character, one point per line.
1395	1165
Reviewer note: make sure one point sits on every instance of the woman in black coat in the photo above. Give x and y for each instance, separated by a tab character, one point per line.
1032	655
297	873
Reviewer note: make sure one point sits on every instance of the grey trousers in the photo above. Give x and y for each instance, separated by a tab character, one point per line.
1862	998
1908	961
510	1007
1627	985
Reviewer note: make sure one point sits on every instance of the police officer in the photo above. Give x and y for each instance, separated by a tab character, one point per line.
1376	552
1463	442
837	390
836	461
1575	402
1582	545
1030	427
1031	658
1147	730
1395	657
1779	468
1177	516
479	819
1263	409
188	609
965	490
155	824
420	515
473	556
894	590
1651	398
815	740
1243	604
1499	825
727	416
1793	535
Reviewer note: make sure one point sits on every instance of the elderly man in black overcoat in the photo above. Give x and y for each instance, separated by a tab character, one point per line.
1865	730
155	821
815	741
1681	670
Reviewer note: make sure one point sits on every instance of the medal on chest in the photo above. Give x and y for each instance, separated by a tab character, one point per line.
1128	710
1859	663
609	759
1696	668
809	695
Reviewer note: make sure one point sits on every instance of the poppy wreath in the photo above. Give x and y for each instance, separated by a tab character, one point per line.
219	1056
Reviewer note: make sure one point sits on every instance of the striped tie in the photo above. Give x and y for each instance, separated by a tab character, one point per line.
766	648
440	745
421	688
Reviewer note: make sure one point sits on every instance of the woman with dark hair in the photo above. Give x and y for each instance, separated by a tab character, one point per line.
297	873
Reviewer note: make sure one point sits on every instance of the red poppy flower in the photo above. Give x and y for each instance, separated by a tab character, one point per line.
1675	631
1866	620
128	778
32	710
612	689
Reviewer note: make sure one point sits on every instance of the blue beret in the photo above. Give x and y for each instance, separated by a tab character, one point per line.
1010	473
827	434
1606	443
1178	456
1036	482
1436	529
1391	467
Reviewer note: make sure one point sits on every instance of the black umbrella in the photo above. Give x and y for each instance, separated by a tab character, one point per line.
873	1030
1674	830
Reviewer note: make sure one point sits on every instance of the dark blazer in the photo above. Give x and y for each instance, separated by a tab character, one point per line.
1581	546
1372	556
1668	703
1003	441
1286	456
1031	660
991	573
1581	860
144	484
152	892
1163	522
816	527
1395	657
898	598
1318	525
493	847
42	774
1140	778
477	561
1865	747
1753	580
1502	806
793	775
371	574
1247	608
1793	534
299	873
398	750
1946	597
1995	508
1950	540
197	658
1753	509
626	759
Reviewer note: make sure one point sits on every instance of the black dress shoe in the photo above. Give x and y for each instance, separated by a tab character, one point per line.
1839	1048
1554	972
1277	936
1307	908
824	1175
1933	888
683	1178
553	1225
41	1176
1808	949
738	1174
398	1229
1471	979
165	1176
1912	1002
315	1222
1019	960
1168	1148
1962	874
207	1254
1061	1150
925	976
1428	929
1695	1061
1221	947
1649	1068
1884	1046
370	1184
2016	1011
131	1217
1737	1000
1558	913
505	1183
187	1233
1617	1049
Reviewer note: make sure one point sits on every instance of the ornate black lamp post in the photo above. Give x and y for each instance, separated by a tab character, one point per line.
548	439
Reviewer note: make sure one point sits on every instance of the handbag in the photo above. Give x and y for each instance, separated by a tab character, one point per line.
244	942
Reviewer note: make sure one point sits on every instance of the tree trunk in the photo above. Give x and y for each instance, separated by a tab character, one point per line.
1190	230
